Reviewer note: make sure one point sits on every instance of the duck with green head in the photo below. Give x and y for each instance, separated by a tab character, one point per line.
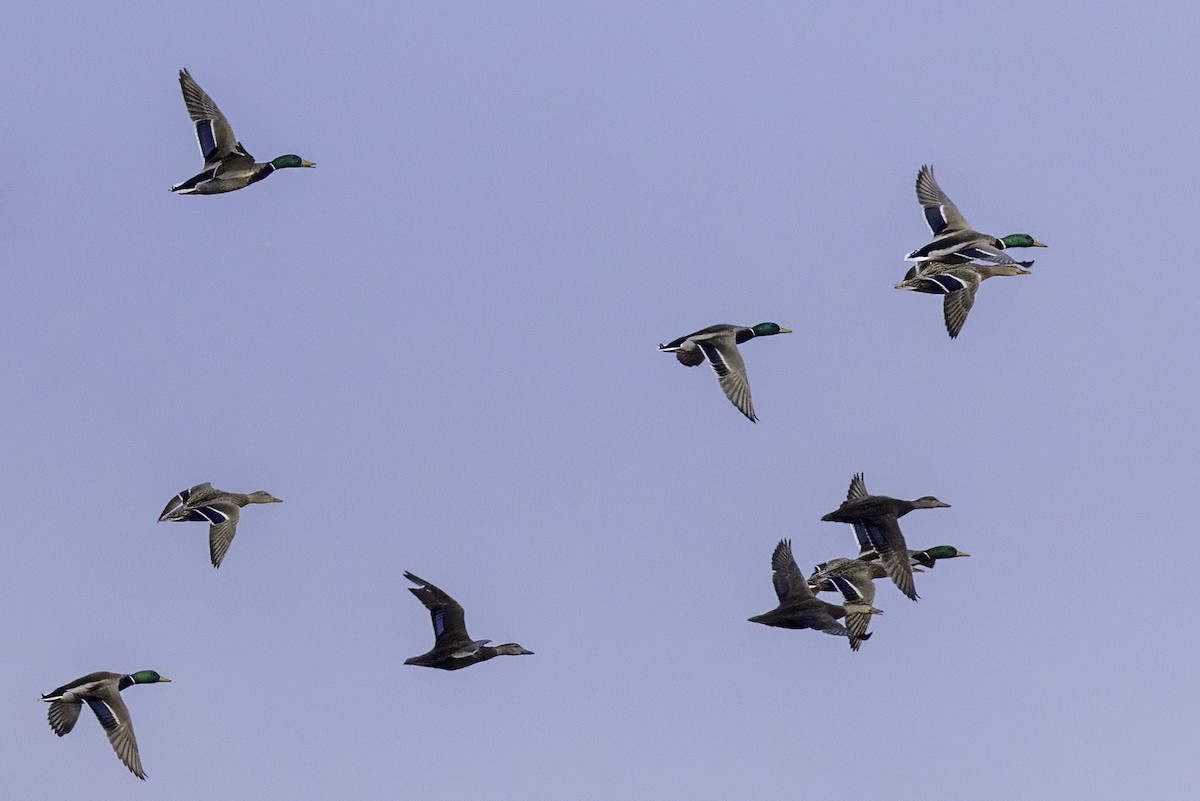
718	344
102	692
227	165
953	237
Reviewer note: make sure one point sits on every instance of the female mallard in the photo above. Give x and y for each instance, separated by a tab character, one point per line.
951	233
102	691
220	509
875	520
227	165
718	343
800	609
854	579
453	648
958	282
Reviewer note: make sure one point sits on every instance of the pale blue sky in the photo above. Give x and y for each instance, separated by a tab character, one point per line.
439	349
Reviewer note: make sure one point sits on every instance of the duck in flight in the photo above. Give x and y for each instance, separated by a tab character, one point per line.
953	237
453	648
875	520
719	344
958	282
102	692
220	509
227	165
799	608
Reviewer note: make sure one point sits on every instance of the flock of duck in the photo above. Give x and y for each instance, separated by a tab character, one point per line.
954	263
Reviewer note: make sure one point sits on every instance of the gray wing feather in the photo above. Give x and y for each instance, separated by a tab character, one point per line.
63	715
955	307
857	623
220	535
937	204
204	112
446	614
858	488
790	584
119	729
727	363
893	554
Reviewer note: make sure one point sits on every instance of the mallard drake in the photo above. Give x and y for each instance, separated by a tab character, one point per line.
718	343
875	520
102	691
227	165
958	282
799	608
925	558
453	648
951	233
220	509
854	579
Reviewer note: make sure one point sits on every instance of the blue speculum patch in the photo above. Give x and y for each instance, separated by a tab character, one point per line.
204	133
845	587
948	283
207	514
714	356
877	538
439	623
107	719
933	216
864	539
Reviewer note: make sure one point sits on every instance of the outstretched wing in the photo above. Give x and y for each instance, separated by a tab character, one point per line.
858	592
955	307
858	488
222	517
885	535
940	212
182	498
790	584
213	132
63	715
958	286
114	717
727	363
449	621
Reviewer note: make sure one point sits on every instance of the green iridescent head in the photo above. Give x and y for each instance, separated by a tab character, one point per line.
767	329
944	552
1021	241
146	677
290	160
